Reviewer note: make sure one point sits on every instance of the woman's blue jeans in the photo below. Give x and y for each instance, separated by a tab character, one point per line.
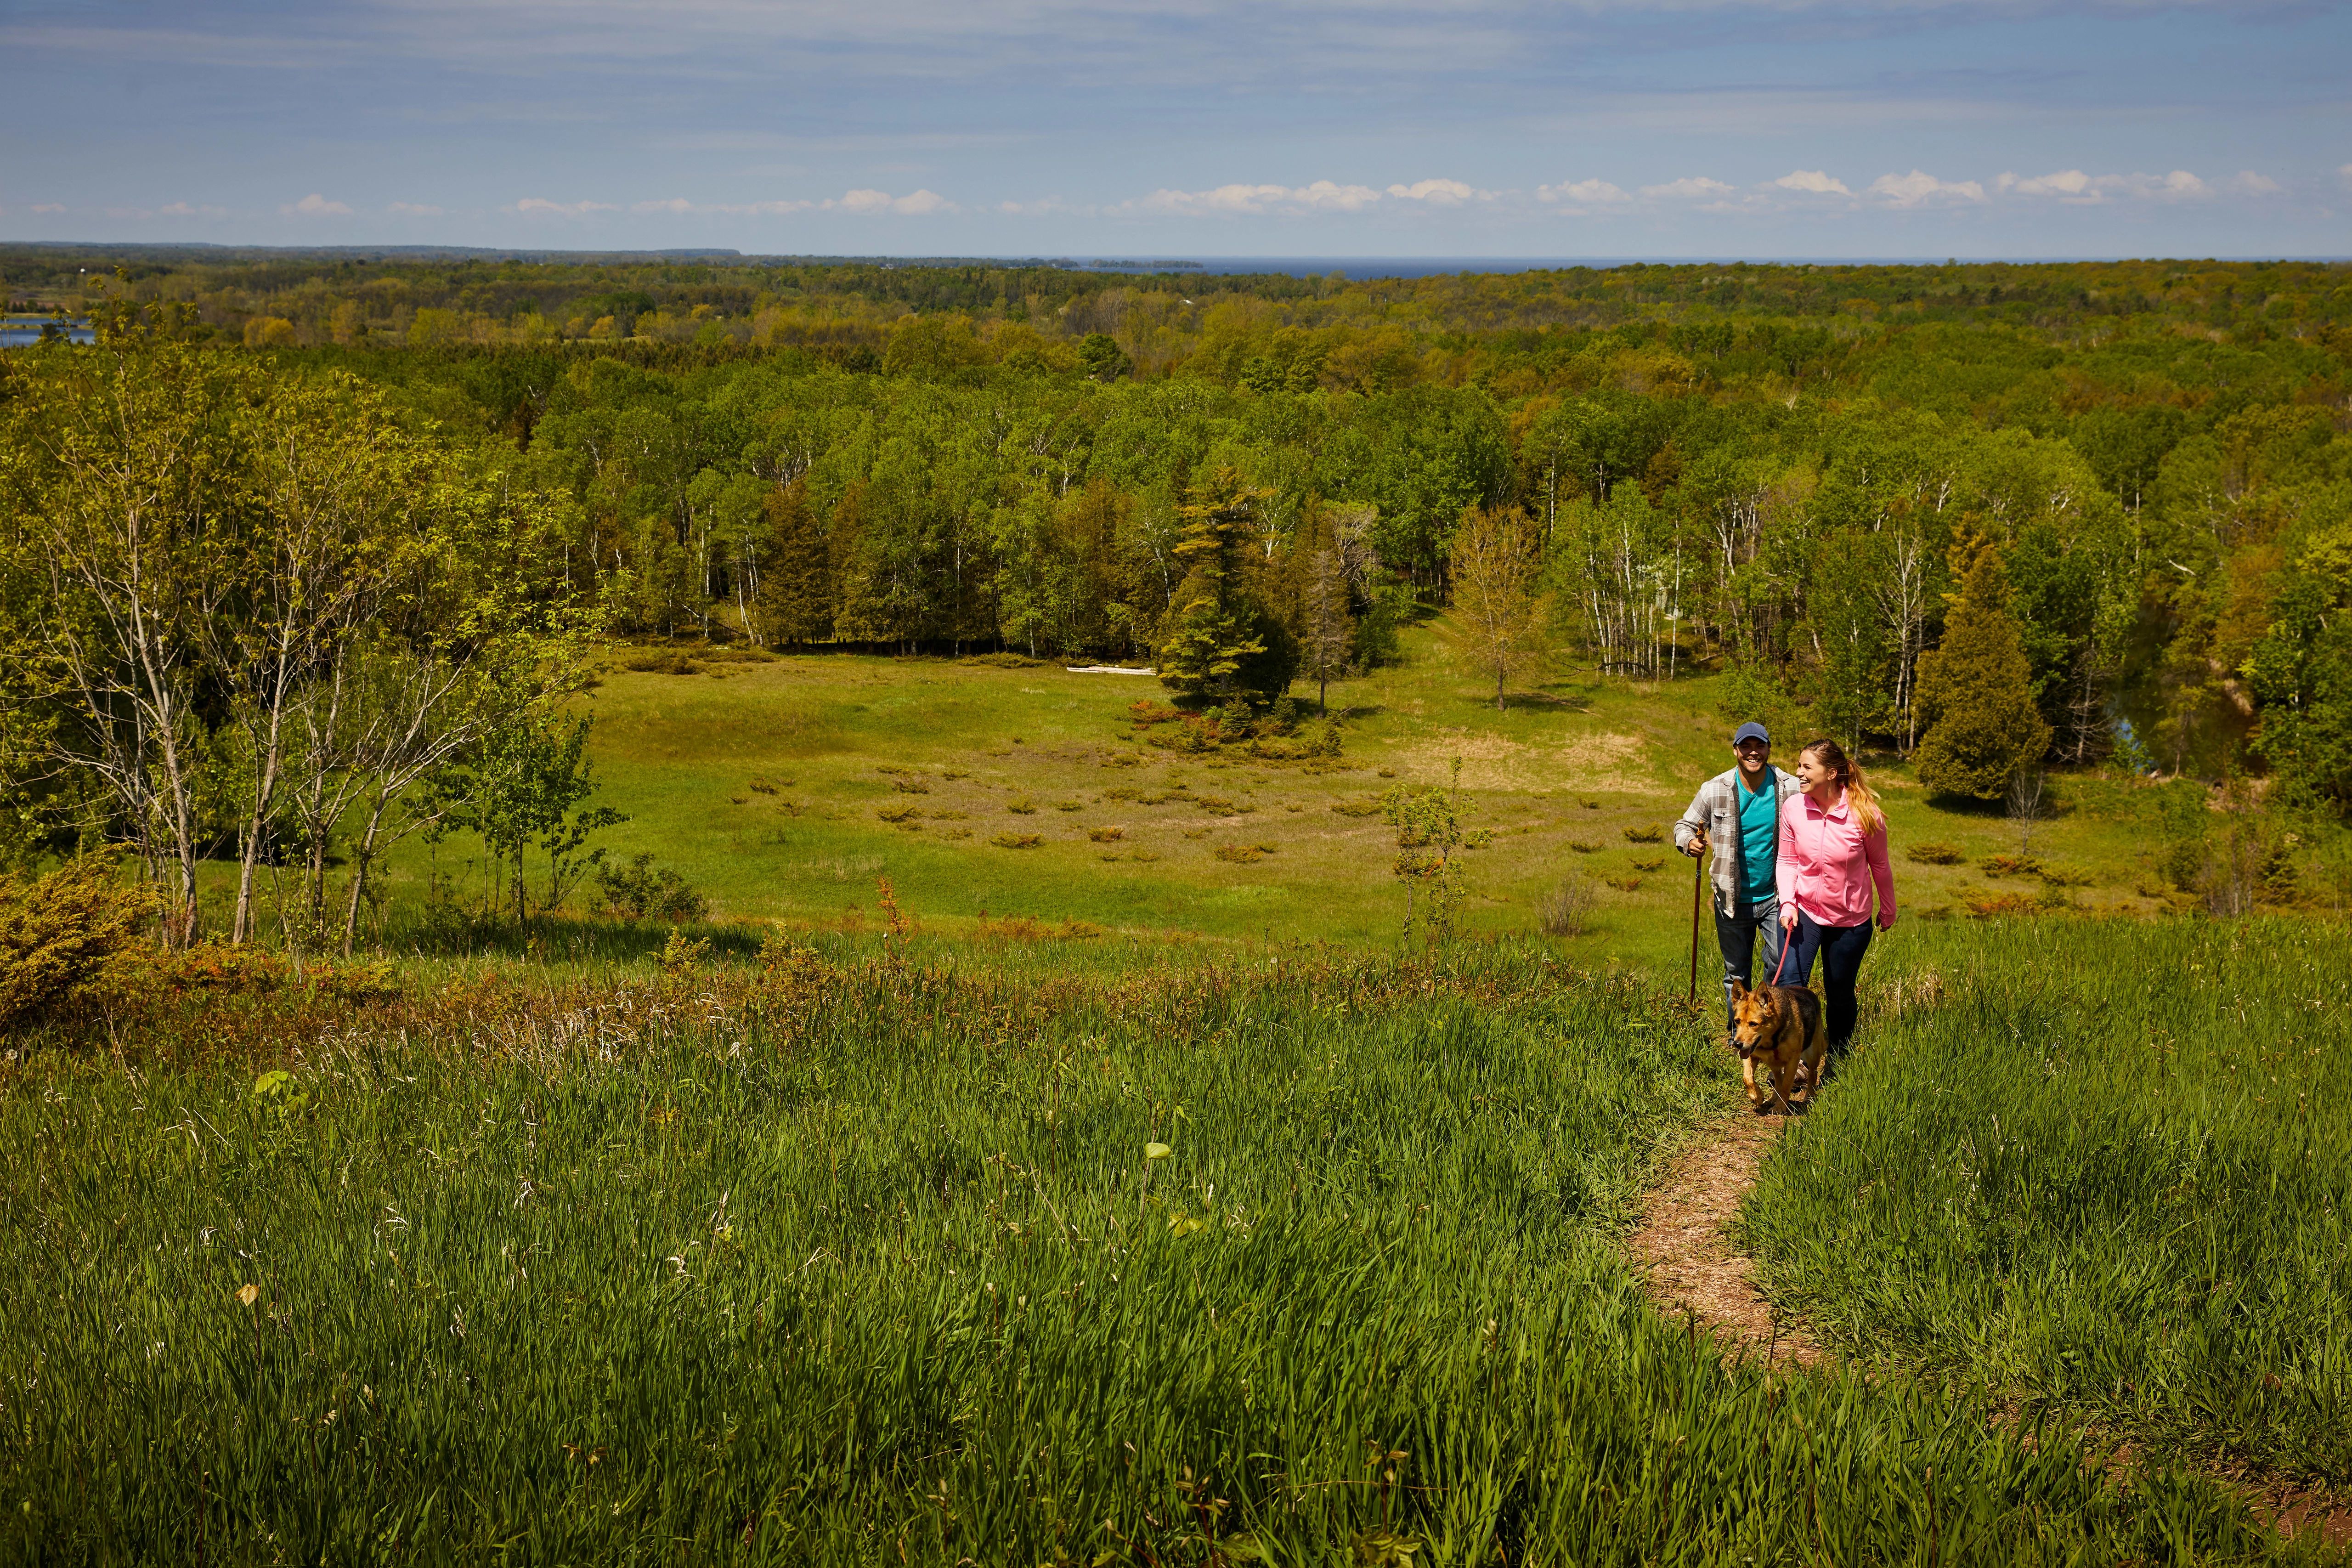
1841	949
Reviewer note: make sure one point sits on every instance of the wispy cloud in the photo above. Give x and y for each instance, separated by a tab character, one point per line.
1811	181
914	203
1690	187
1917	187
1249	201
2077	188
539	206
1582	192
415	209
185	209
315	206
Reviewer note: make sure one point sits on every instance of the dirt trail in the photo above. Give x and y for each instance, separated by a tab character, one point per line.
1685	1257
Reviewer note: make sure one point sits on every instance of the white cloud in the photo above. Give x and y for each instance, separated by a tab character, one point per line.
183	209
1444	193
2343	173
2075	187
913	204
541	204
1910	190
1582	192
413	209
315	206
680	206
48	207
1812	182
1249	201
1689	185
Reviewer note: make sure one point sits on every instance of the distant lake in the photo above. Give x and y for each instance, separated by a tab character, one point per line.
15	332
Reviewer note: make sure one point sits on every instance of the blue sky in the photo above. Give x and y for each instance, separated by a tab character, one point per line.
1492	128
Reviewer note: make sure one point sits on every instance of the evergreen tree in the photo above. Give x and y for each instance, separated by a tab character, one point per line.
795	604
1977	693
1220	639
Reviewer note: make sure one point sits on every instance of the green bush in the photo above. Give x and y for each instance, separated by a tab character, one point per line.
61	934
638	891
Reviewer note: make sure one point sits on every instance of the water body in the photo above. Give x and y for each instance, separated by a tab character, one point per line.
17	331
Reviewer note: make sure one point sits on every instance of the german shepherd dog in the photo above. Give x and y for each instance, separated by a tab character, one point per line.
1779	1026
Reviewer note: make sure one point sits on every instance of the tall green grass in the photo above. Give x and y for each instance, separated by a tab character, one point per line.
2109	1168
868	1264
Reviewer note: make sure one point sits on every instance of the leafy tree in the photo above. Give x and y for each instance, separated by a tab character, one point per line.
1977	692
1103	358
1327	638
2301	672
1498	613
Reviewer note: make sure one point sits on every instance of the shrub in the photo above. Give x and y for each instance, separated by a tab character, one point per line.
1986	901
637	891
1069	805
1241	854
1586	845
1217	806
1566	909
1022	807
1644	835
1652	864
1625	884
896	812
1933	854
1367	806
59	936
1106	834
2009	865
909	785
1018	840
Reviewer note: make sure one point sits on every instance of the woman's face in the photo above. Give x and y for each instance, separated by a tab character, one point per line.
1813	772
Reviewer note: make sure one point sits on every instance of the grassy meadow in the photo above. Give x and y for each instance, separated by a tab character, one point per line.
1126	1203
784	787
2111	1171
857	1262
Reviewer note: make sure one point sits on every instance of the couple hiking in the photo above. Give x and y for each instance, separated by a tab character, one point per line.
1796	860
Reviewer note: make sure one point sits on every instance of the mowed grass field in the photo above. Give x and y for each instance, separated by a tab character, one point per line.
860	1262
766	785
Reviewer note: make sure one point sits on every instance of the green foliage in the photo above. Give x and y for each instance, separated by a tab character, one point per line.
1222	640
60	934
638	891
1430	842
524	788
1983	724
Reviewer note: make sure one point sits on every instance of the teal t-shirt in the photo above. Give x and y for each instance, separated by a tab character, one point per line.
1759	824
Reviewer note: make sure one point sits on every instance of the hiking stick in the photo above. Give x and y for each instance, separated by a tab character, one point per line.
1698	879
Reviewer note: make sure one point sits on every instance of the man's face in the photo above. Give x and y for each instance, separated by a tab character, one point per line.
1754	755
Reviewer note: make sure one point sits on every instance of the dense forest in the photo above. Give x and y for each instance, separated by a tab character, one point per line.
2137	473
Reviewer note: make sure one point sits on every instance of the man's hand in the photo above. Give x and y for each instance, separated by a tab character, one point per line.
1695	847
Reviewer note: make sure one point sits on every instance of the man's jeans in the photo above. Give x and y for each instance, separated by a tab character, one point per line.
1739	935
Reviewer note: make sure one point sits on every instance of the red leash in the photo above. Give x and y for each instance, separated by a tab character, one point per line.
1788	940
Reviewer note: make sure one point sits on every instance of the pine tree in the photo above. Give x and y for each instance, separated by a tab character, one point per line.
1977	693
796	602
1221	641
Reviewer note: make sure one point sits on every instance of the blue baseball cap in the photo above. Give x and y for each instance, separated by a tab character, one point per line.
1751	731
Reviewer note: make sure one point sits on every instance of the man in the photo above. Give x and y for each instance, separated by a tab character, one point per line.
1737	813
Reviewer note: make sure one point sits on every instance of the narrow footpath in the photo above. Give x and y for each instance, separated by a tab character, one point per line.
1683	1252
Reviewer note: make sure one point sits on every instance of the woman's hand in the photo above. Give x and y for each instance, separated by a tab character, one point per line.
1788	917
1886	919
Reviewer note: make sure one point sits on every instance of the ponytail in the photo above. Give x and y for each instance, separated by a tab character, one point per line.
1860	800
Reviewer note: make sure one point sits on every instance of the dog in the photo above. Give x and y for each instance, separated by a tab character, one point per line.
1779	1026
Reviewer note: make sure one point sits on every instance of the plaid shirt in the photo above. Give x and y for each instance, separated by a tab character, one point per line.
1715	811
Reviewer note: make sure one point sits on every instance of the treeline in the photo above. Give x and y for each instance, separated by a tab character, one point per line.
2146	521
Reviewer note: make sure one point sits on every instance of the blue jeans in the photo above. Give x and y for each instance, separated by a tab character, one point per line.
1841	948
1738	935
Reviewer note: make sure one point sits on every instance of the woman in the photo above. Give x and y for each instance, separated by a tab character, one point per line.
1832	853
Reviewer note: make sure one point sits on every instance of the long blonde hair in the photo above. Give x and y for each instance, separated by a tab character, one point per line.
1860	798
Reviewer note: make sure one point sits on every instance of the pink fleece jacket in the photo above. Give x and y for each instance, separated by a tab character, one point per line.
1828	865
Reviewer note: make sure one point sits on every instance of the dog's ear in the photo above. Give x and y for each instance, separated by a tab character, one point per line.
1740	992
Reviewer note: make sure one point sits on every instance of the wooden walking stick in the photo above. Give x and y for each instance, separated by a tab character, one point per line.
1698	881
